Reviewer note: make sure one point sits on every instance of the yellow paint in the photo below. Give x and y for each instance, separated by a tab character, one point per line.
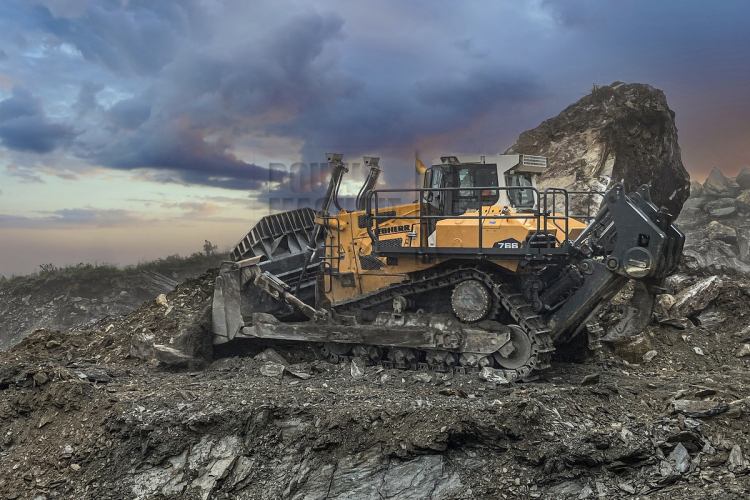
347	243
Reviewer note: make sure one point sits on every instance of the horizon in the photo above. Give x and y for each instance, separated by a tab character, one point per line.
130	131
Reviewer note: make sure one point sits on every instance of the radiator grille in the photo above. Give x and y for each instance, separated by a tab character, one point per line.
362	219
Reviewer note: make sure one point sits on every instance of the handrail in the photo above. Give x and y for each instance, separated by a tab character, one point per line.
373	196
548	211
335	244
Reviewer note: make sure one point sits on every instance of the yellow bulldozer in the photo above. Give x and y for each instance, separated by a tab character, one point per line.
483	269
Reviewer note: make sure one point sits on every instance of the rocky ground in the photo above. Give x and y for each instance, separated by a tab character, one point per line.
109	413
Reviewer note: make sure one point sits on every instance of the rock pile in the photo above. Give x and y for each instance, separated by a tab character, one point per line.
716	220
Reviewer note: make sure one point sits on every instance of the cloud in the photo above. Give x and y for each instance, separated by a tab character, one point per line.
472	94
87	97
179	153
25	127
129	113
20	104
127	39
70	218
209	93
3	55
26	175
34	134
575	13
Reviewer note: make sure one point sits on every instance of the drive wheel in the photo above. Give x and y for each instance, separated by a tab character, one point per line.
471	301
516	352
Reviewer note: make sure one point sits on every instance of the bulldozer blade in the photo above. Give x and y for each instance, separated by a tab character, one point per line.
226	314
636	316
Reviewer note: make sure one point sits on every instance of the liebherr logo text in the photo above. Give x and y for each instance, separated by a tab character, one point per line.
394	229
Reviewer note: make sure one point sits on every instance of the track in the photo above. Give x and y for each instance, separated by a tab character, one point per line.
504	299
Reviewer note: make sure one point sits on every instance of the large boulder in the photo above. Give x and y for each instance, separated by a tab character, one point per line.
743	178
723	207
696	189
713	256
718	231
618	133
717	185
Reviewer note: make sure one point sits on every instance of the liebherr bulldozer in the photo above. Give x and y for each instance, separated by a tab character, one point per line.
483	269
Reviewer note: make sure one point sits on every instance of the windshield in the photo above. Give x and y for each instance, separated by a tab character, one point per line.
520	198
474	177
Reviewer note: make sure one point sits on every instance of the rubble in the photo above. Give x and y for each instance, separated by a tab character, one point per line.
735	460
696	297
716	222
490	374
79	296
680	459
270	421
718	231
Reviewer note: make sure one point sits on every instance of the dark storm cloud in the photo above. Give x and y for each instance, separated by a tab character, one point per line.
472	94
25	127
208	94
575	13
181	154
129	113
21	103
87	97
135	38
190	88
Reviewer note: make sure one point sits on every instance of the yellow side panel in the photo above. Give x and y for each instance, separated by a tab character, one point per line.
350	246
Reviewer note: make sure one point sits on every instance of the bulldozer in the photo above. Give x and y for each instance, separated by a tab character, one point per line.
482	270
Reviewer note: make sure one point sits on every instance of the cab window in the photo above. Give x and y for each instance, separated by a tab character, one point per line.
520	198
473	177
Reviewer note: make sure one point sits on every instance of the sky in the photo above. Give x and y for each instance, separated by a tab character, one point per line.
136	129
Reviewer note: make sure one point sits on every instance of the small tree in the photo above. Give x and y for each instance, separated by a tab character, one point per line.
208	248
47	267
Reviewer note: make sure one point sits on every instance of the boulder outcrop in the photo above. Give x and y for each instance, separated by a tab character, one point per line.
717	224
743	178
717	185
618	133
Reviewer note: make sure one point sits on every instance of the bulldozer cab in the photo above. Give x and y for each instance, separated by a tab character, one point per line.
480	175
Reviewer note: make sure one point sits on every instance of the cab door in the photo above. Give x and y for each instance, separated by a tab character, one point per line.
432	204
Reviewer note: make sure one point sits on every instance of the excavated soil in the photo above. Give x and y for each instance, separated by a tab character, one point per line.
86	414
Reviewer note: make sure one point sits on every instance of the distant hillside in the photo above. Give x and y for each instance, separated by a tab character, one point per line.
63	298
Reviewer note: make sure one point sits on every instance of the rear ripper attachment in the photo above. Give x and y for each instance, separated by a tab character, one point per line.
482	270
